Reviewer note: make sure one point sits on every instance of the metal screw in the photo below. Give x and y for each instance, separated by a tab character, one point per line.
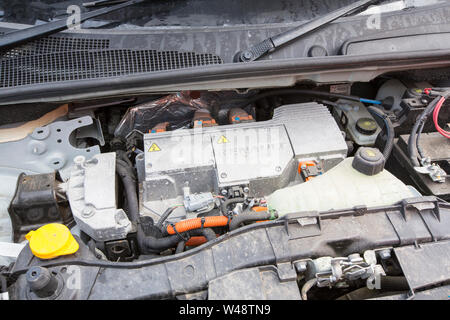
223	175
246	189
385	254
247	55
224	192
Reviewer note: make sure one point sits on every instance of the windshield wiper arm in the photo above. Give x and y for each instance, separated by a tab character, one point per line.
16	38
270	44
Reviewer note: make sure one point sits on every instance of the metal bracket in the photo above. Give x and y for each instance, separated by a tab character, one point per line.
48	148
433	170
91	191
45	150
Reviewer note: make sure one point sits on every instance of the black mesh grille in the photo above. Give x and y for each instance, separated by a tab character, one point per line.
64	59
57	44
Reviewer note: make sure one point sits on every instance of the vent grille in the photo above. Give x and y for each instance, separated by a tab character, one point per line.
57	44
63	59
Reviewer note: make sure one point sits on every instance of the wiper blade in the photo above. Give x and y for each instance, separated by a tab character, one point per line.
16	38
272	43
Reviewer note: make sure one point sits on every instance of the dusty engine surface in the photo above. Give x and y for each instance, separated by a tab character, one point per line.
190	166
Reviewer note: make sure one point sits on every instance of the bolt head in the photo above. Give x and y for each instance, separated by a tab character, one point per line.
385	254
87	212
247	55
79	161
301	266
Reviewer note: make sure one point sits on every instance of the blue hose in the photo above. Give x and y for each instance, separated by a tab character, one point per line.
377	102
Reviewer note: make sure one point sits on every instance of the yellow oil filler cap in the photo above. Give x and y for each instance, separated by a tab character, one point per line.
51	241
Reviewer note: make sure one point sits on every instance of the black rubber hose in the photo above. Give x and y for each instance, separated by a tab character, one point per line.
419	149
164	217
248	216
389	128
305	92
180	247
149	244
123	155
208	233
224	206
129	184
4	285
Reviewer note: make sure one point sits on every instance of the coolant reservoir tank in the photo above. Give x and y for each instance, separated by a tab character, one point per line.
342	187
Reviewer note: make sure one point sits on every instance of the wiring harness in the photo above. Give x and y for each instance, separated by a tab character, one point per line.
436	118
416	154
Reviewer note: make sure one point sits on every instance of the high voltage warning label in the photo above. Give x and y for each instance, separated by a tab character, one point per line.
154	148
222	139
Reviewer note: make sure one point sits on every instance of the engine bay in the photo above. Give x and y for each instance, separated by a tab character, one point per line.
138	179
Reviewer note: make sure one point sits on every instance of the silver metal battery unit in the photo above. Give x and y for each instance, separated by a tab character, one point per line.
261	156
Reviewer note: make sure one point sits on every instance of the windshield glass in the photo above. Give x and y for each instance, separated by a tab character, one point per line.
193	13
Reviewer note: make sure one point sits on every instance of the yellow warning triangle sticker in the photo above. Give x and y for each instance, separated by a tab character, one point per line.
154	148
222	140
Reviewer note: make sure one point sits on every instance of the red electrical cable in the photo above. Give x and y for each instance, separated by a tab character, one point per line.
436	117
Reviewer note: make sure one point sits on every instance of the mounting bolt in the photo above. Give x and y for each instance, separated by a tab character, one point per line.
223	175
87	212
300	266
385	254
79	161
246	190
224	192
247	55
